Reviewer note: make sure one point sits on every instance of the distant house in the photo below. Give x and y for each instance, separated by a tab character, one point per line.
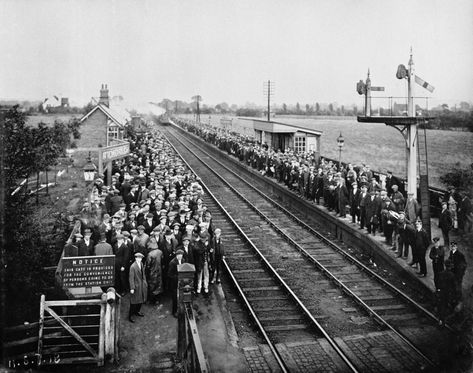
103	124
51	102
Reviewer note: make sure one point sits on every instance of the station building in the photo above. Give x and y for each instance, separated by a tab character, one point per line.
104	124
286	136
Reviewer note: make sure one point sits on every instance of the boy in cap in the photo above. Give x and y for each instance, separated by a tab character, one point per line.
138	287
217	251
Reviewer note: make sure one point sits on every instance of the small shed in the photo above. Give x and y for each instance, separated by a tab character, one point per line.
287	136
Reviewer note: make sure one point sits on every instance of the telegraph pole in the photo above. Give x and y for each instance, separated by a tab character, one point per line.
197	99
269	91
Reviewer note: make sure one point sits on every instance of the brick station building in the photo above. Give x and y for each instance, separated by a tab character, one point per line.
102	125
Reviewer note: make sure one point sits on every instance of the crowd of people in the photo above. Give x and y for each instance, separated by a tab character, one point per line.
375	203
153	218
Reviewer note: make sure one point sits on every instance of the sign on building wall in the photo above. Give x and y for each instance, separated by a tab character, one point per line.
110	153
88	271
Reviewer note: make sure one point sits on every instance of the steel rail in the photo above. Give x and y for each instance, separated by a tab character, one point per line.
331	341
271	345
327	272
335	246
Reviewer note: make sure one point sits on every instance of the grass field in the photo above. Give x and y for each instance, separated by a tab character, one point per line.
33	120
378	145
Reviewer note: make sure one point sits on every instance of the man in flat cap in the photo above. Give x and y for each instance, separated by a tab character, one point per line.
202	261
172	275
445	223
437	254
138	287
459	268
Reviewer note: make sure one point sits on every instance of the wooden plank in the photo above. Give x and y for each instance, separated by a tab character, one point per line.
263	288
75	327
60	335
41	325
84	302
74	316
284	328
71	331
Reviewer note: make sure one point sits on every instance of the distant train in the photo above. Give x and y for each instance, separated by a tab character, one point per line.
165	120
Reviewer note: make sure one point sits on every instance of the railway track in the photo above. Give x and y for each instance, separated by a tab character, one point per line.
289	276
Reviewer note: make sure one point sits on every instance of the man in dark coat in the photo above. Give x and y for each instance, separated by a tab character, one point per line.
187	248
354	201
122	264
446	291
88	242
364	196
459	268
421	244
465	214
445	223
154	274
437	254
373	209
138	287
342	197
406	236
319	185
172	275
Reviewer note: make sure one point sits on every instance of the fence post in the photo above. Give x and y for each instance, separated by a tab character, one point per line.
109	322
102	330
116	357
41	325
185	284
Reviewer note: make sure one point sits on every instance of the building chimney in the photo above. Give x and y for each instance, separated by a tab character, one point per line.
104	99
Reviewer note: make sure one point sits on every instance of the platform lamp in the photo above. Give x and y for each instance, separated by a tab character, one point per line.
340	142
89	176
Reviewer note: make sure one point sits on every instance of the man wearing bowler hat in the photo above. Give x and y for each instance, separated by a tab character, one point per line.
138	286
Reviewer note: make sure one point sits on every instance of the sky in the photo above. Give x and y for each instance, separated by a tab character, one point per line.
313	50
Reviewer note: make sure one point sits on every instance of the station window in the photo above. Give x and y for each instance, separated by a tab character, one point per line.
299	144
113	132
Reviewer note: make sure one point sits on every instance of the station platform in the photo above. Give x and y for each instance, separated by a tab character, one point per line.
150	343
428	281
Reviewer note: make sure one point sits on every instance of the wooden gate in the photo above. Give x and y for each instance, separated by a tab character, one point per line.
71	331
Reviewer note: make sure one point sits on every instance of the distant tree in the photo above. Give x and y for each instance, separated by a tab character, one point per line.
284	108
317	108
298	108
461	179
330	108
308	109
28	150
87	108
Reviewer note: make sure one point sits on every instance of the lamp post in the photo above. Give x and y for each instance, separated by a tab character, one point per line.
340	142
89	175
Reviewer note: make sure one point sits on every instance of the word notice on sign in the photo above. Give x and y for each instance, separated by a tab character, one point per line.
88	271
111	153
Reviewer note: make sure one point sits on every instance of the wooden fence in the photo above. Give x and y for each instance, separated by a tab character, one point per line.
68	332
